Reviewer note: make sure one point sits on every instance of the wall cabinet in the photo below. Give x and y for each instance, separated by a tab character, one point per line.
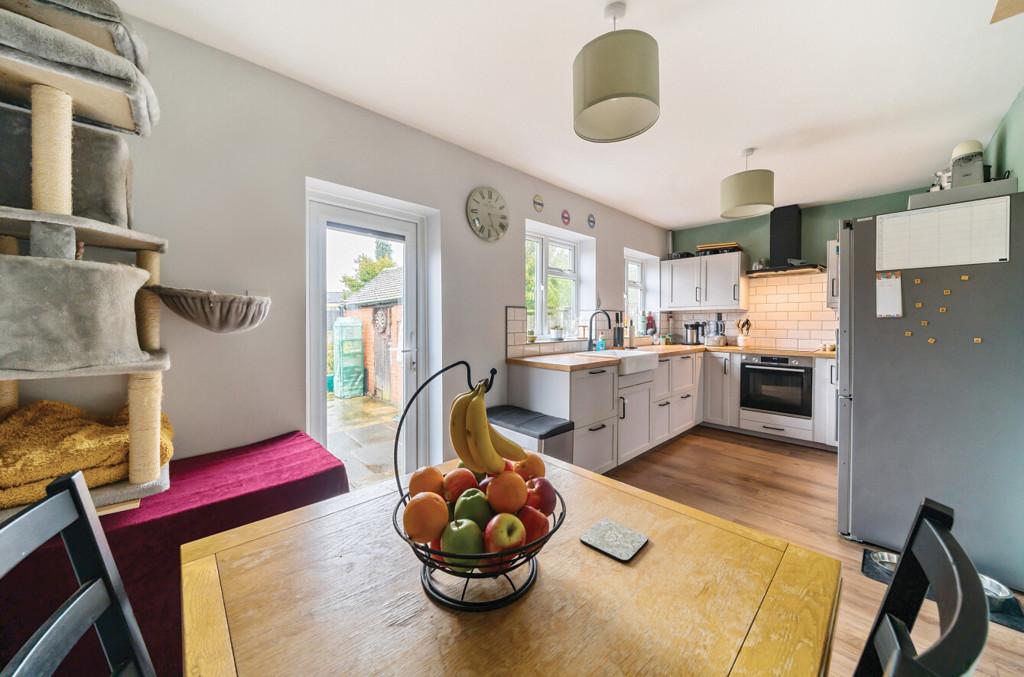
634	424
832	279
715	282
826	402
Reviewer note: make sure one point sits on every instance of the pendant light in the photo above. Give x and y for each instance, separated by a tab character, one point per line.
748	193
615	83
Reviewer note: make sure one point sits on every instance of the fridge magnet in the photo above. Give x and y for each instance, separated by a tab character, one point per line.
942	309
932	340
965	278
565	217
924	323
917	280
908	333
538	203
888	294
977	339
918	305
947	292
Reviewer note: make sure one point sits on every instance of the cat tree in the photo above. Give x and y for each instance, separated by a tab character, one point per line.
77	69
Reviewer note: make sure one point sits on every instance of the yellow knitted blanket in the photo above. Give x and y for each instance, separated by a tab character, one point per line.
42	441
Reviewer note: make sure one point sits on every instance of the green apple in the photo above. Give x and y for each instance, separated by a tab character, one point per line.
473	505
478	475
463	537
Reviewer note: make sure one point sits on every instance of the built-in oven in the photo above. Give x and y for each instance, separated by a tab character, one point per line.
776	384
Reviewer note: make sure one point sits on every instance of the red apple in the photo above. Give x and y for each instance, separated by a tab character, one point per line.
509	466
504	531
435	545
535	521
456	482
540	494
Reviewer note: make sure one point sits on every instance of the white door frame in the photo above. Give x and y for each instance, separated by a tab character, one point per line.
363	210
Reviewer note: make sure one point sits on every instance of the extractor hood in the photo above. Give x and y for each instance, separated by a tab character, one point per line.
785	245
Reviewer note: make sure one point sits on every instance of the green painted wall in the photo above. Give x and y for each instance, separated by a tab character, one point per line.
820	224
1005	152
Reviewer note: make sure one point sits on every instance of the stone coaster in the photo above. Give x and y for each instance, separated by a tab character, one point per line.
614	540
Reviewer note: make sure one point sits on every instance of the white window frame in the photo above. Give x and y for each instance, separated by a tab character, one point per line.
635	285
544	272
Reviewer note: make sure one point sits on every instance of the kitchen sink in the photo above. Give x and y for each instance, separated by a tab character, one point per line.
630	361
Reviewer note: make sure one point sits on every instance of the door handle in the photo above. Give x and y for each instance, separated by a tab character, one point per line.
597	427
769	427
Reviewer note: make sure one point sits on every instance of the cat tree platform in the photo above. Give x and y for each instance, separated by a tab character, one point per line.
17	223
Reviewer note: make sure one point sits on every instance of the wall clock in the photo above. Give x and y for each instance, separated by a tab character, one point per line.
487	213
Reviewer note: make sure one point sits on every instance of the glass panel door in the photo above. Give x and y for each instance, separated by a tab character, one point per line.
369	341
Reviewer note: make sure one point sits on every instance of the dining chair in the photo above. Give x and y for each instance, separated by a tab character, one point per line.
100	600
931	557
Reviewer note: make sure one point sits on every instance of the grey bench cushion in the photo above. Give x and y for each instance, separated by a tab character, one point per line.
530	423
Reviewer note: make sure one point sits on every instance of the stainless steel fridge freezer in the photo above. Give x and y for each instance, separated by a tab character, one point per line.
943	420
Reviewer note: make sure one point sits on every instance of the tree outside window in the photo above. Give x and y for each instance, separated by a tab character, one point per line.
552	286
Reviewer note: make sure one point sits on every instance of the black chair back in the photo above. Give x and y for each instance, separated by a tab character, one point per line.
931	557
100	600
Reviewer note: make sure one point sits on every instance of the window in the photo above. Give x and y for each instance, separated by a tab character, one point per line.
552	286
635	293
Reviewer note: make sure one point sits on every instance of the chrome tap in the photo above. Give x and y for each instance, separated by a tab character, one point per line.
590	338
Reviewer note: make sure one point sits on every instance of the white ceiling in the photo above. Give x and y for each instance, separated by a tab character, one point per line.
843	99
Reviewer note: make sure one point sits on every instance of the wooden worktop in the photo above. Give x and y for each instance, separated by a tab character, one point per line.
331	588
575	362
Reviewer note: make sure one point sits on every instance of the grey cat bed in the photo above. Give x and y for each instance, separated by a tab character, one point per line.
220	313
101	169
108	90
98	22
58	315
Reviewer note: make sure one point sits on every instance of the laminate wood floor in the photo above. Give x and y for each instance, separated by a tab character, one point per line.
790	491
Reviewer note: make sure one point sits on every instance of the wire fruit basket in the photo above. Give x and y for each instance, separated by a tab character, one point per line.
465	566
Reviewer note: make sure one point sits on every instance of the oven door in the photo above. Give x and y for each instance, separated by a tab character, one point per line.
778	390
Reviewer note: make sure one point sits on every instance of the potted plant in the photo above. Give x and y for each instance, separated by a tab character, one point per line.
557	332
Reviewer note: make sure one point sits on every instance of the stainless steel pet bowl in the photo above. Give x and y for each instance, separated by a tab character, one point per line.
993	588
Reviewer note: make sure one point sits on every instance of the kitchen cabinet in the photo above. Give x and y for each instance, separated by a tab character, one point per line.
721	389
826	402
662	375
592	395
660	421
634	424
714	282
682	413
593	446
681	372
832	274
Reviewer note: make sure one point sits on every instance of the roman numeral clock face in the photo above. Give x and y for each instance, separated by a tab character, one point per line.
487	213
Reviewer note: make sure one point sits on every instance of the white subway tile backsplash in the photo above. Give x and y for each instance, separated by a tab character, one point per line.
516	351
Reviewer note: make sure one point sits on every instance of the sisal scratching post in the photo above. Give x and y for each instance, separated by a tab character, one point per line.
147	304
144	394
51	150
8	389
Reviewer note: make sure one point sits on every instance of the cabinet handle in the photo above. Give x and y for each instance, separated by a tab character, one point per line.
684	397
665	360
768	427
834	280
735	292
725	366
597	371
664	404
685	357
623	400
696	294
831	374
597	427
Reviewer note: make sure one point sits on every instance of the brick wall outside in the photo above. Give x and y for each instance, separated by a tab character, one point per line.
391	338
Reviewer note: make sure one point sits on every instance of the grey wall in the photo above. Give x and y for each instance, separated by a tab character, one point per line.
223	178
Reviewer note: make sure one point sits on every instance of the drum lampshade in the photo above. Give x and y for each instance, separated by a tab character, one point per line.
748	193
615	86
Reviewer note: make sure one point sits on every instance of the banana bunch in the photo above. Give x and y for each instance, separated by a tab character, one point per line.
480	447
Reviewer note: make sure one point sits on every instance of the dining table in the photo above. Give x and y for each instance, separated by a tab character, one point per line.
331	589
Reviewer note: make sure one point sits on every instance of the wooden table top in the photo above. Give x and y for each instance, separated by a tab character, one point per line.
331	589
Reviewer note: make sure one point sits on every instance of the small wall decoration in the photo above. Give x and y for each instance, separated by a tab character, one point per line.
591	221
538	203
565	217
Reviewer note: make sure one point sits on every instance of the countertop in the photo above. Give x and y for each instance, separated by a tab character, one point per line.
574	362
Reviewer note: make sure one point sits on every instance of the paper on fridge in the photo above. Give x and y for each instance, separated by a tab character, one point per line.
889	294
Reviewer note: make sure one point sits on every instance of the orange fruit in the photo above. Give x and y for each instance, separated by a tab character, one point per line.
425	517
506	492
426	479
531	466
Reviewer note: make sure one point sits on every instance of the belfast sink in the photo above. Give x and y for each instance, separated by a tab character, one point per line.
630	361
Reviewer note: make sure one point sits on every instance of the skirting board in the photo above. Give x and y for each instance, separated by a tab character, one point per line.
119	492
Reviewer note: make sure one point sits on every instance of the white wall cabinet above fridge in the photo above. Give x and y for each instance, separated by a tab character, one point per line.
713	282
